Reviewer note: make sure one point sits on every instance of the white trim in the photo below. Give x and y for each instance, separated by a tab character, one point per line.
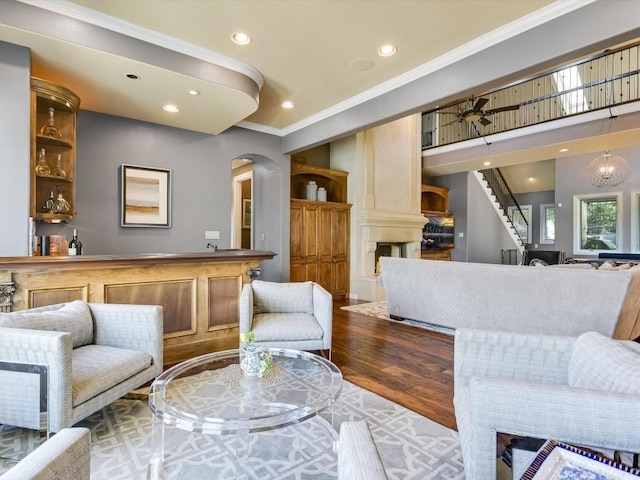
543	223
236	213
577	199
635	221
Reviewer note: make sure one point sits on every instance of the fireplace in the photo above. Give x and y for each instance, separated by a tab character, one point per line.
388	249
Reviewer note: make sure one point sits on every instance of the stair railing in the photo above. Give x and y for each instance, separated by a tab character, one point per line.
504	195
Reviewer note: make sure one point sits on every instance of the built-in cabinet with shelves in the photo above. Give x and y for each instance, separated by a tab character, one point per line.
435	202
320	230
53	106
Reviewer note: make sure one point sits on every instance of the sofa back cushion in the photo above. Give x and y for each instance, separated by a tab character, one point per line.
601	363
272	297
74	318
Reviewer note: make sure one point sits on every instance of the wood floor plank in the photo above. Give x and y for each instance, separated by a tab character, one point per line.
407	365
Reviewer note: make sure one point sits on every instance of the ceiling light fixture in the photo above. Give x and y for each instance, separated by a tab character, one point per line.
486	164
563	150
193	92
170	108
241	38
607	170
287	104
387	50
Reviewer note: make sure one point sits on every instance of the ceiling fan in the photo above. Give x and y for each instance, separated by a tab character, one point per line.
476	113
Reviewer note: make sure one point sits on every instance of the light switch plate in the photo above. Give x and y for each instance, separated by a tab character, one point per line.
212	235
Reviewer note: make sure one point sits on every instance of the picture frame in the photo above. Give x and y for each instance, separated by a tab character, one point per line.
145	196
246	213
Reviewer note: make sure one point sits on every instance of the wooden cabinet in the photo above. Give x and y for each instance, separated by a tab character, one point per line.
54	106
435	202
320	231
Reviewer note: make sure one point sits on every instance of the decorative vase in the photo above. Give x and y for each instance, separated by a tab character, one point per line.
250	359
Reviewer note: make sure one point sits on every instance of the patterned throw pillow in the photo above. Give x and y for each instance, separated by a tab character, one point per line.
74	318
273	297
601	363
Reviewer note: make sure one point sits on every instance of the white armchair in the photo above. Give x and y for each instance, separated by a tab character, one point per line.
296	315
65	456
94	354
581	390
358	457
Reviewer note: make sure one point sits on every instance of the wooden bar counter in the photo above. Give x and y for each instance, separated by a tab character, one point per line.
199	292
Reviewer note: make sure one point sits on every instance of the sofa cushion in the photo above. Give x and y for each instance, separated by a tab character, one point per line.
601	363
284	327
74	318
97	368
273	297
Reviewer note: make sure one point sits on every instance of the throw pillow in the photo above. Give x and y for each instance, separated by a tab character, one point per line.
601	363
74	318
273	297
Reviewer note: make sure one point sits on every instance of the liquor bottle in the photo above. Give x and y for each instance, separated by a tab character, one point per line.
49	129
42	168
58	171
75	245
61	205
49	203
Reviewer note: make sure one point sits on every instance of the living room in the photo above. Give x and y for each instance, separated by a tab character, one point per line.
201	163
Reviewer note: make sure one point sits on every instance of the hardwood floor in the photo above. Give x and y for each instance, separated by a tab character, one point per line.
408	365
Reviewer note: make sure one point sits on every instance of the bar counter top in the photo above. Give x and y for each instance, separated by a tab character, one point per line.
219	256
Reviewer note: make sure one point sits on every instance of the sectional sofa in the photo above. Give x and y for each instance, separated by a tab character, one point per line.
539	300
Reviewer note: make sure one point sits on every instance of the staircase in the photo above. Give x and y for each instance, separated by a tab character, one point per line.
500	196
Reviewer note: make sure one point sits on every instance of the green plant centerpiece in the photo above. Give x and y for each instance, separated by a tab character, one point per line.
254	361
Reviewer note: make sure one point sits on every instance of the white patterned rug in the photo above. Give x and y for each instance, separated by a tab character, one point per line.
411	446
379	310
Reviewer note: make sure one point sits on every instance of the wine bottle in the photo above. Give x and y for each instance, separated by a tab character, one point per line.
75	245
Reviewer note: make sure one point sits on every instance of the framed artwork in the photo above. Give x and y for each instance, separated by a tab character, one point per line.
145	196
246	213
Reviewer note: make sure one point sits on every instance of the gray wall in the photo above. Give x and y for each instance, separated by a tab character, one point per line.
201	188
15	99
571	180
535	199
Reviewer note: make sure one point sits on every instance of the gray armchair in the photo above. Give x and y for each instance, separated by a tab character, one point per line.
581	390
65	456
296	315
94	354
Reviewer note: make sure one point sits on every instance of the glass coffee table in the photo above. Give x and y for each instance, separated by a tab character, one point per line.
205	409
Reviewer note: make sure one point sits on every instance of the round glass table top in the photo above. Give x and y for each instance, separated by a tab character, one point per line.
211	393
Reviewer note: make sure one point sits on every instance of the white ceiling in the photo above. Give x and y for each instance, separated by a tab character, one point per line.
302	50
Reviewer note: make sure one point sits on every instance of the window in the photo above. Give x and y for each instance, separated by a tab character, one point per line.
597	223
547	223
635	222
522	221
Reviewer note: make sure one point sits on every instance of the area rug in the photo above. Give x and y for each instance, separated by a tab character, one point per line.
411	446
379	310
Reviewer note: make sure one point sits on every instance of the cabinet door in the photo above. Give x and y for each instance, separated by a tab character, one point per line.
310	232
340	233
340	278
297	233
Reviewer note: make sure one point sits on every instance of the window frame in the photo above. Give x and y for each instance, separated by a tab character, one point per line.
529	209
543	223
635	221
577	201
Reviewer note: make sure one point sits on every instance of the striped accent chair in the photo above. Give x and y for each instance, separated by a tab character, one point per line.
94	353
584	391
296	315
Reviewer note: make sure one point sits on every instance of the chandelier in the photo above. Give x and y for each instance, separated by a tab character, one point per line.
608	170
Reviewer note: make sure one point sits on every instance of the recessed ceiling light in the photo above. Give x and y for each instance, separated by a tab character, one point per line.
486	164
531	179
387	50
170	108
562	150
241	38
133	76
287	104
191	91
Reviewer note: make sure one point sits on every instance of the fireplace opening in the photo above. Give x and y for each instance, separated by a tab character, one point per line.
388	249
